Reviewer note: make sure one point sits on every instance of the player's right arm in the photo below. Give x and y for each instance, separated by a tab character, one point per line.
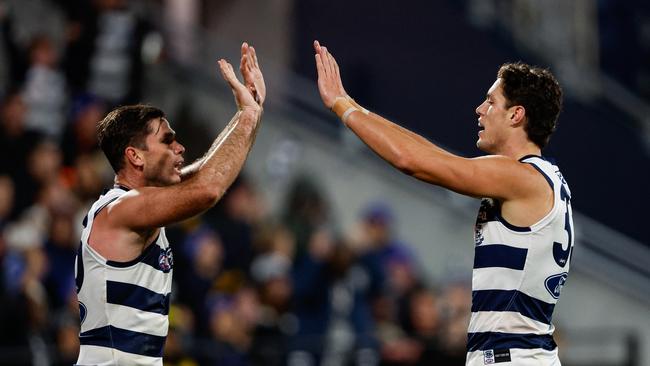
151	207
498	177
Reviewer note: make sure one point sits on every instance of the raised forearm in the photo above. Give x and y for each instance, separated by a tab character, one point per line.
382	136
224	160
189	170
414	136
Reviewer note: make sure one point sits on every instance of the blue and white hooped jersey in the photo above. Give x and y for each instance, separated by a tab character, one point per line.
517	278
123	306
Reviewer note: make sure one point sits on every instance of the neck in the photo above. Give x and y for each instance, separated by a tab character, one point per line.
517	151
128	180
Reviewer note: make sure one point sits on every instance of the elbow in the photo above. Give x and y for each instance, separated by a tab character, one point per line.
206	195
212	195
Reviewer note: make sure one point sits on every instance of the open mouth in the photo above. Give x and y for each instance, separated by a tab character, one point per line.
178	166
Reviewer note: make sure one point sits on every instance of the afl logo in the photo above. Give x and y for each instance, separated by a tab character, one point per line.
83	311
166	260
555	283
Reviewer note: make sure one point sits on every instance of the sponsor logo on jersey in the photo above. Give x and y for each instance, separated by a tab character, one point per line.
555	283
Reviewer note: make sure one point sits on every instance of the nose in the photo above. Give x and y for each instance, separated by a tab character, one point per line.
180	149
478	109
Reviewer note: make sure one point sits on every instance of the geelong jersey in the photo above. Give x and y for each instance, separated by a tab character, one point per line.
123	305
517	278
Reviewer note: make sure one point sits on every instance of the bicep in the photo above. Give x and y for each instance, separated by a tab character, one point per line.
153	207
490	176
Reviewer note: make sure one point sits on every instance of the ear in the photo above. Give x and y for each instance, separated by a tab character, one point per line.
517	115
134	156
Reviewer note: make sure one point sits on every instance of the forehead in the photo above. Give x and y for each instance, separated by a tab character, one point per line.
159	127
495	90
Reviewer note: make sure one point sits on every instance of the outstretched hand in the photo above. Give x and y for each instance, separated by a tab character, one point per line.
329	78
250	70
243	96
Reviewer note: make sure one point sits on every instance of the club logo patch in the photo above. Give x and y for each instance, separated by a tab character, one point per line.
555	283
491	356
488	357
166	260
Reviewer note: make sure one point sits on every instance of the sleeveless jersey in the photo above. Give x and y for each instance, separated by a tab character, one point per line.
123	306
517	278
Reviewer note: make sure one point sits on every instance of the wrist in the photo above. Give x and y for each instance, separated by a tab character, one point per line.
254	111
344	106
356	105
251	108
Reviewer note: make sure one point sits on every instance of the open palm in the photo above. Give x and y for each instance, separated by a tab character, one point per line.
250	70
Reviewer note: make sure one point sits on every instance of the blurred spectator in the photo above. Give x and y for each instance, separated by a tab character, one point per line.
6	201
66	336
22	22
104	44
25	304
271	273
333	290
305	210
91	173
15	56
16	143
232	322
44	89
235	218
80	135
376	236
179	337
61	249
198	264
42	170
456	304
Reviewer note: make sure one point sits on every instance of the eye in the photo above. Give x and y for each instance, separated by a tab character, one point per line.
169	139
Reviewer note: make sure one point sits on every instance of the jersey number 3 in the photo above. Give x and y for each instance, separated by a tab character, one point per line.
560	254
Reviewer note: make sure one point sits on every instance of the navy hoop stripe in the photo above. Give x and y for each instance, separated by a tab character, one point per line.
491	340
512	300
499	255
149	256
124	340
136	297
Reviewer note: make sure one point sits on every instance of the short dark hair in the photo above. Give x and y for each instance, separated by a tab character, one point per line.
538	91
125	126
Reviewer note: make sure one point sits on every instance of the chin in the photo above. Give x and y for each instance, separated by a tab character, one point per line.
481	145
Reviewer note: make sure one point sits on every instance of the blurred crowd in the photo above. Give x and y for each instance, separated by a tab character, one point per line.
251	286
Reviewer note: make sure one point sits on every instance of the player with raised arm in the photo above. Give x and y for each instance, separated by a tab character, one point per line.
524	230
124	264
